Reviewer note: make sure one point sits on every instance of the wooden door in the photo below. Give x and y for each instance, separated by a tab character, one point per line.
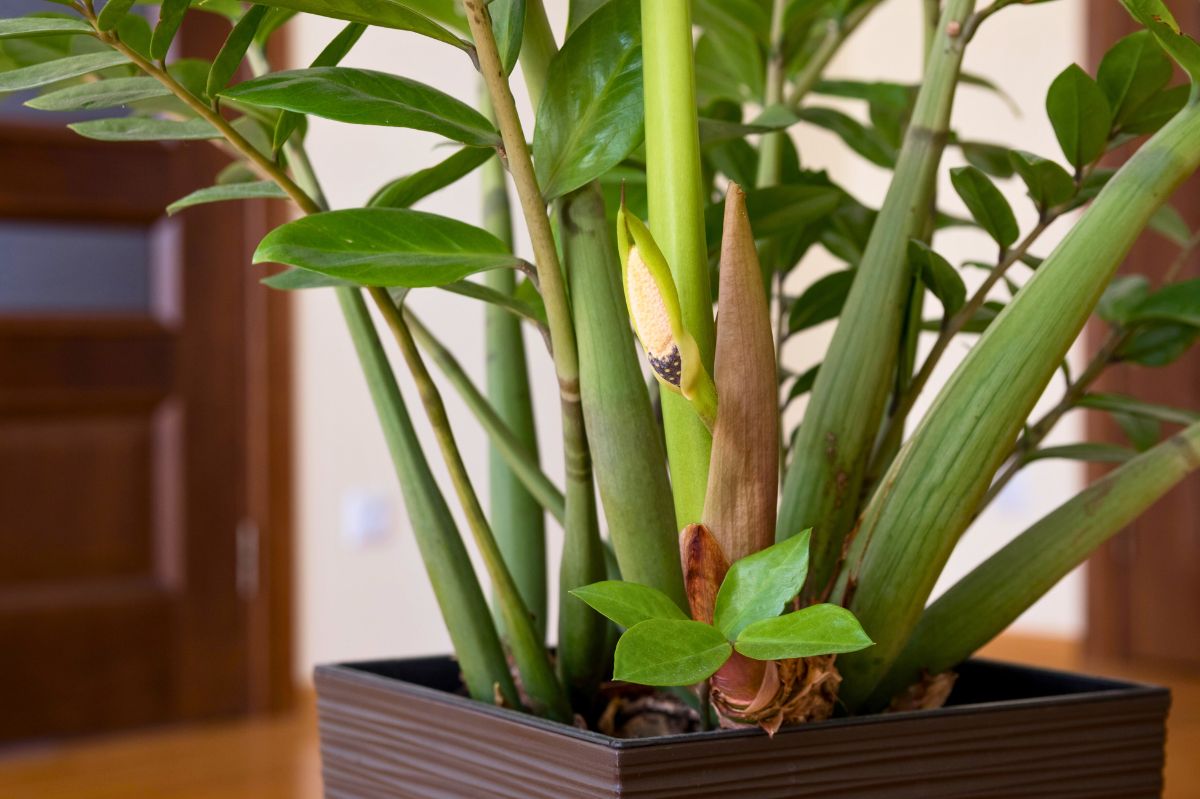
143	436
1143	596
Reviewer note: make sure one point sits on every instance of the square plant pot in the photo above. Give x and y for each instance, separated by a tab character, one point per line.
398	729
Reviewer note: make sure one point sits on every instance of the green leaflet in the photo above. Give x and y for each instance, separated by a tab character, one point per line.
404	191
145	129
1080	115
43	74
758	585
232	191
385	247
628	604
226	64
28	27
986	204
815	630
384	13
667	652
108	93
170	17
591	114
365	97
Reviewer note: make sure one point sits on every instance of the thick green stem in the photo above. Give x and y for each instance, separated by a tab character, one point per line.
516	514
676	197
626	448
581	630
459	596
524	639
930	494
982	604
822	485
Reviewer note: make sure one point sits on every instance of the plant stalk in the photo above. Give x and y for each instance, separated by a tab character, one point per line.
581	630
835	440
982	604
524	639
504	441
517	516
460	598
931	492
676	199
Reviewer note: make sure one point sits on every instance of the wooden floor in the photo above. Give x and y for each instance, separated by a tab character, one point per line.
277	758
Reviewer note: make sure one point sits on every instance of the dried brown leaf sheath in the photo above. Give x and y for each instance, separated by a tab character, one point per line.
704	568
744	473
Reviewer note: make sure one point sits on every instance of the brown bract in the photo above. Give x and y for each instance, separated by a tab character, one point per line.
743	476
788	692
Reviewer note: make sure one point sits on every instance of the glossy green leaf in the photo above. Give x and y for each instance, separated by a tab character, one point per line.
1080	115
1170	224
986	204
145	129
275	19
226	64
759	585
821	301
666	652
508	26
296	279
1157	344
1131	72
1049	184
170	17
1122	296
109	93
990	158
112	13
865	141
1143	432
28	27
1155	112
364	97
1117	403
385	247
1156	16
384	13
331	56
815	630
45	73
1178	303
591	115
1090	452
404	191
628	604
938	276
234	191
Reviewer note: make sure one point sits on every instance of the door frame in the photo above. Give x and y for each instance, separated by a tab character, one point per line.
1139	597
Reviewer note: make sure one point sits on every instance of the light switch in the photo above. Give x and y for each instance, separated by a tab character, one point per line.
367	518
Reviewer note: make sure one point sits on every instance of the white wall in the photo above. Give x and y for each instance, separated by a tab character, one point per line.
373	600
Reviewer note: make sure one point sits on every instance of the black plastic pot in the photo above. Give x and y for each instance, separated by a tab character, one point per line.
397	730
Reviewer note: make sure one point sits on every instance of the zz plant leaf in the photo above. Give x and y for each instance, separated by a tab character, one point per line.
670	652
1131	72
385	247
1080	115
938	276
815	630
591	116
1048	183
365	97
628	604
986	204
758	585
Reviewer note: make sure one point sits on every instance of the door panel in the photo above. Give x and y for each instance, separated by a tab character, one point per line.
127	462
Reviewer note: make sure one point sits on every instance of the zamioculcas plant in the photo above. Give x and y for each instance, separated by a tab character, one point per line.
766	576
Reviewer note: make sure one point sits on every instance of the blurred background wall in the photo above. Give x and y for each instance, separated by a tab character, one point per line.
360	586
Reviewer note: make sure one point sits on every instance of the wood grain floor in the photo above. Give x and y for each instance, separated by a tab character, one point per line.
277	758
